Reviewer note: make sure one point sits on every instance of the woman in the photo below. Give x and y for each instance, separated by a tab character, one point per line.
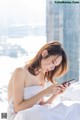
26	90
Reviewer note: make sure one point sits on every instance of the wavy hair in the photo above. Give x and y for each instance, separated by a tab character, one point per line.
53	48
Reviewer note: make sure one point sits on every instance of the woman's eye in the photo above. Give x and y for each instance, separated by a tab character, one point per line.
53	62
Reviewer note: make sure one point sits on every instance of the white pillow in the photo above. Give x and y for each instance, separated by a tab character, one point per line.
72	92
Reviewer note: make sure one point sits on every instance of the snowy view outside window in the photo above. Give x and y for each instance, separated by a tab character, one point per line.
22	33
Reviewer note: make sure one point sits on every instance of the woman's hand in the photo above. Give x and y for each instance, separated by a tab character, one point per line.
63	88
56	89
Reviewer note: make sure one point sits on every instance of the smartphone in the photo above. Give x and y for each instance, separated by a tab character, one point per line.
69	82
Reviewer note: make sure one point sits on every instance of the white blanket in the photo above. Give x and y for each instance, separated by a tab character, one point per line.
62	111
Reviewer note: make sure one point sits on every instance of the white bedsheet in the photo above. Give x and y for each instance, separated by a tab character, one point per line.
65	110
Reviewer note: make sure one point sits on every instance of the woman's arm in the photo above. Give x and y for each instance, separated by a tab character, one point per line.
18	92
51	99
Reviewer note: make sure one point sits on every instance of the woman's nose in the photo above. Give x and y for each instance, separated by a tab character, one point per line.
52	67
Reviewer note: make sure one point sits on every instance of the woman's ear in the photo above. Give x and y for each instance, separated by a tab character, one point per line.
44	53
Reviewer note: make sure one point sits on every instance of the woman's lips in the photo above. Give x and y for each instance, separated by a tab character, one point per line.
47	70
50	69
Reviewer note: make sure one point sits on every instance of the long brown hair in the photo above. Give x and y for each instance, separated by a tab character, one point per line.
53	48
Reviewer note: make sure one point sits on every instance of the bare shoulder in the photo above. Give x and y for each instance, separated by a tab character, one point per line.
20	71
17	81
19	74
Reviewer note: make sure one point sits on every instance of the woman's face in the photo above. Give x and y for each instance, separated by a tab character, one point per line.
50	63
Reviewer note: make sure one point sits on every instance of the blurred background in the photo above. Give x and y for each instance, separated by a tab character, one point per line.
26	25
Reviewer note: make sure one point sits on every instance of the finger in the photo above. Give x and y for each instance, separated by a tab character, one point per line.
61	86
57	89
